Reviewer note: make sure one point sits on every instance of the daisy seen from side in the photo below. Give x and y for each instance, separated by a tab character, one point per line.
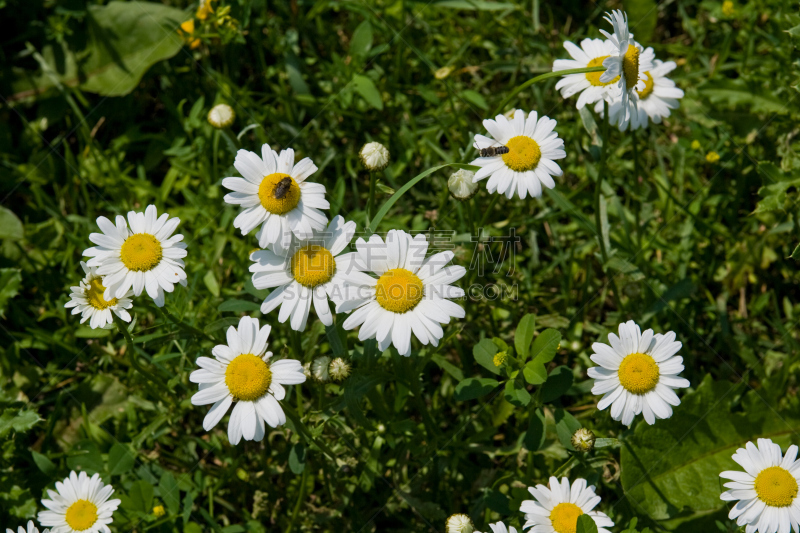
555	509
308	271
87	300
140	253
241	372
591	53
637	373
79	504
529	164
766	493
410	295
274	193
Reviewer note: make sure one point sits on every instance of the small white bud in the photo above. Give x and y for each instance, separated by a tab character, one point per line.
339	369
374	156
459	523
307	369
221	116
583	440
461	186
319	368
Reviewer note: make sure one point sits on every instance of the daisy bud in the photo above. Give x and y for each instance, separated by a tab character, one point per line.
221	116
374	156
319	368
459	523
339	369
461	186
307	369
583	440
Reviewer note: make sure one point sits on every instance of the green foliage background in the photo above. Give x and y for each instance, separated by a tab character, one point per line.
104	111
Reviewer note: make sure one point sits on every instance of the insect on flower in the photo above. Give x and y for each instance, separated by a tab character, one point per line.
492	151
282	188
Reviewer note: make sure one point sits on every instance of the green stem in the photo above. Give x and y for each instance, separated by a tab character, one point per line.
300	494
488	211
184	326
637	173
302	429
599	185
371	201
149	377
543	77
563	468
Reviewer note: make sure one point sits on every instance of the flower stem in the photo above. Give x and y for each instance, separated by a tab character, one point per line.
563	468
371	200
301	492
149	377
184	326
543	77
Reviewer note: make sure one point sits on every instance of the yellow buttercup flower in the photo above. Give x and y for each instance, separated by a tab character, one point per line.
712	157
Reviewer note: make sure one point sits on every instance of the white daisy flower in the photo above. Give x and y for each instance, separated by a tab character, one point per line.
591	53
627	63
274	193
532	148
556	509
79	504
656	100
766	493
139	253
307	271
637	373
410	295
499	527
241	371
31	529
87	299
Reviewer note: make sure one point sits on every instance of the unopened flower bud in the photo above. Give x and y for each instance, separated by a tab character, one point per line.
583	440
374	156
307	369
460	184
221	116
339	369
459	523
319	368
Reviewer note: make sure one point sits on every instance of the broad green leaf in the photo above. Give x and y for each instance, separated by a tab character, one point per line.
566	426
120	459
211	283
671	469
10	225
535	373
559	380
141	496
85	457
237	306
448	367
297	458
335	335
484	353
10	280
545	346
361	41
534	437
366	88
524	335
516	394
45	465
18	420
472	388
169	492
586	524
123	40
475	98
642	17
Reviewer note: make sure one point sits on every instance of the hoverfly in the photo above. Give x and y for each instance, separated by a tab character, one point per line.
282	188
493	151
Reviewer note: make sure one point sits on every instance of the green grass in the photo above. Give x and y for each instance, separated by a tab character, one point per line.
699	248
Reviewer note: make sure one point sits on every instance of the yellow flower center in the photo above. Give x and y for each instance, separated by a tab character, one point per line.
141	252
594	77
279	196
523	153
81	515
648	86
94	294
313	265
398	290
564	517
630	67
499	358
248	377
638	373
776	487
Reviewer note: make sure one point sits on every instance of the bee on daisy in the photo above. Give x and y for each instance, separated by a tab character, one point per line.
627	63
306	272
637	374
274	194
766	493
140	253
242	373
87	300
591	53
410	295
529	163
30	529
555	509
79	504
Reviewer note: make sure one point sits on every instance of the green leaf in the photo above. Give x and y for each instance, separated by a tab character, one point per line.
366	88
335	335
586	524
221	323
361	42
516	395
10	280
735	93
796	252
558	382
211	283
297	458
475	98
237	306
605	443
447	366
566	426
18	420
472	388
534	437
141	496
472	5
535	373
85	456
120	459
642	17
169	492
123	40
484	353
524	335
545	346
45	465
10	225
671	469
